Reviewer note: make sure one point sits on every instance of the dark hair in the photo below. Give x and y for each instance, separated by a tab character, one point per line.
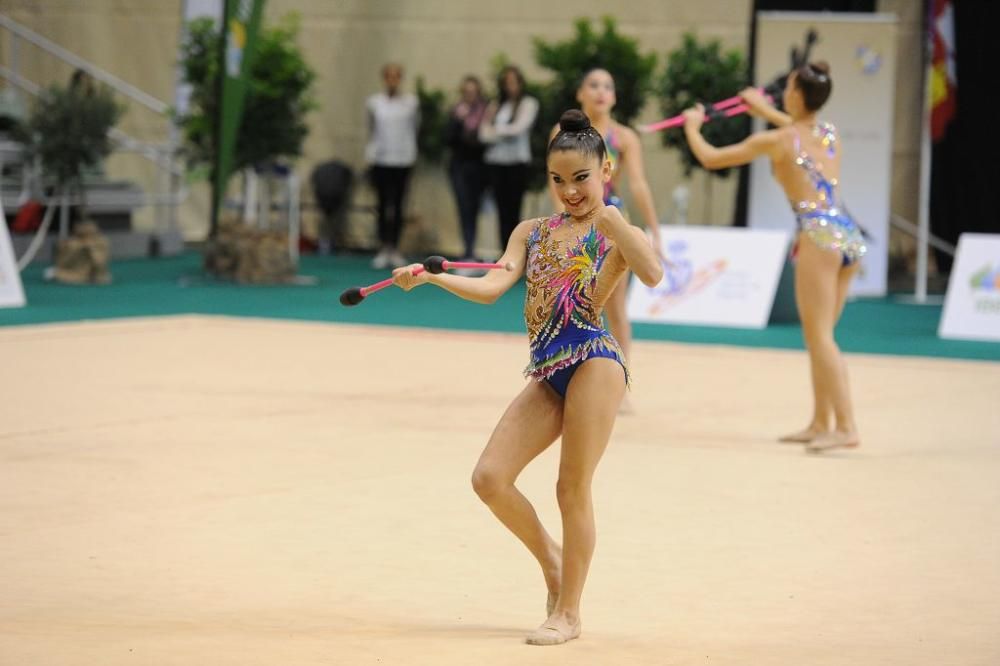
576	133
814	82
472	78
501	91
392	65
82	83
579	84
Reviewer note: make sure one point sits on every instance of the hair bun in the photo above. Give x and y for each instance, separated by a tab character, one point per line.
821	67
573	120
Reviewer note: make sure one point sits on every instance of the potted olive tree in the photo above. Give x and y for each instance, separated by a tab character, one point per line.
702	72
279	96
67	135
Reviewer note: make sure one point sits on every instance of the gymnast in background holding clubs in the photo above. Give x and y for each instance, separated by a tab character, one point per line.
805	160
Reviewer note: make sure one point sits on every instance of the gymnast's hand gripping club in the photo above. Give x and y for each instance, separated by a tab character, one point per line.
433	265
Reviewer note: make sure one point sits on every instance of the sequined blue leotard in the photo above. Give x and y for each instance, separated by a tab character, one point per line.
824	220
571	271
613	149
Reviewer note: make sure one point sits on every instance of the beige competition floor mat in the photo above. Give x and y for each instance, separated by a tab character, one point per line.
211	491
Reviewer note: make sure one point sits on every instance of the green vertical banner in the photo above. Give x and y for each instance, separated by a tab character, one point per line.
241	23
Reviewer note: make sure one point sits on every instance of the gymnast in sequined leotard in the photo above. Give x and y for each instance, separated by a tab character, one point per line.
573	261
571	272
805	159
822	217
613	147
597	97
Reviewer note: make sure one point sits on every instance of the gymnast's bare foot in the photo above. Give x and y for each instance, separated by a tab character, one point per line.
838	439
558	629
803	436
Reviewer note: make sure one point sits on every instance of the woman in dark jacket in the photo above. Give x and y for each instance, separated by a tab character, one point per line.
467	170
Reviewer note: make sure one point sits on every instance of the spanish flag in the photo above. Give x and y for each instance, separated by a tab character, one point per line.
943	81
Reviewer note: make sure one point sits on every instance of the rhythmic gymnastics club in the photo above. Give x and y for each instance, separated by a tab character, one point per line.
727	108
433	265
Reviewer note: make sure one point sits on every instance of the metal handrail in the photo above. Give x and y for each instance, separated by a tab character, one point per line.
160	155
910	228
71	58
125	140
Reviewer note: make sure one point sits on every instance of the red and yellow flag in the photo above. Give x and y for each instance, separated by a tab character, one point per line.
943	81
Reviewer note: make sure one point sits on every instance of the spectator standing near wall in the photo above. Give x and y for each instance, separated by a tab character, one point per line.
466	170
393	120
507	130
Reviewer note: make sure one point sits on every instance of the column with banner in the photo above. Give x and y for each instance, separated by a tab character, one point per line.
861	51
239	39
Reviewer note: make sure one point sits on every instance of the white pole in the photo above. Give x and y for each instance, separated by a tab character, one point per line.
924	214
250	197
263	200
64	214
293	217
924	221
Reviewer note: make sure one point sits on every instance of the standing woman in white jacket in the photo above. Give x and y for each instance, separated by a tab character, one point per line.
506	130
393	121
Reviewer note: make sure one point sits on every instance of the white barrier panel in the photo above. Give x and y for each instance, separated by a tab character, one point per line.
717	276
861	51
972	305
11	292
